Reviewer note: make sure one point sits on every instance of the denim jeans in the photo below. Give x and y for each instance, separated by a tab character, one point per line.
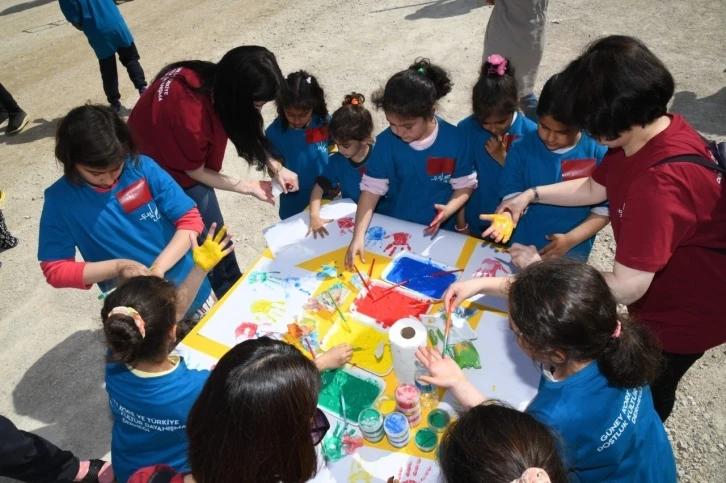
227	272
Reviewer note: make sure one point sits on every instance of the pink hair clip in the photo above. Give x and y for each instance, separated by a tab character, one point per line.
497	64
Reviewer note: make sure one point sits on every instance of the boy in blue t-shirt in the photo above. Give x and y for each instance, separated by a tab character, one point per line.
108	35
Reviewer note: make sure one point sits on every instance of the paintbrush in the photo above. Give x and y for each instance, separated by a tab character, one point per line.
335	304
342	409
443	272
310	347
365	282
370	270
447	329
401	284
424	303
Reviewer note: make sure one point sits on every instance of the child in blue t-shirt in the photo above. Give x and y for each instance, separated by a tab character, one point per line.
596	367
108	35
151	392
351	128
299	137
491	131
555	152
421	161
119	209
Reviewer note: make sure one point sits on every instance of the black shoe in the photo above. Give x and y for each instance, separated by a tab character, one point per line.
116	107
17	121
3	117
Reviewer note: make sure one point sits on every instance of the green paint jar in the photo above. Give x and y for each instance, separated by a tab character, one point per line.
370	422
439	420
426	439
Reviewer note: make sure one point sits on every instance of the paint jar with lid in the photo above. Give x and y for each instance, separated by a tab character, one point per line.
426	439
429	393
370	422
397	429
439	420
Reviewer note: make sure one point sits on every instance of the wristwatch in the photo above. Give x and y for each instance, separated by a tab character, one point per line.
536	195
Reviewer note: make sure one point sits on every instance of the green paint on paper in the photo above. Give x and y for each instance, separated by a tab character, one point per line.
358	393
465	355
333	445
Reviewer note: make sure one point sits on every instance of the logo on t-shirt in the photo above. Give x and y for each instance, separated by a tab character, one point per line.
316	135
152	213
134	196
440	169
577	168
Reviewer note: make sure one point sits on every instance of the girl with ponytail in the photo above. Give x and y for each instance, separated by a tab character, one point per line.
421	161
150	391
596	367
351	128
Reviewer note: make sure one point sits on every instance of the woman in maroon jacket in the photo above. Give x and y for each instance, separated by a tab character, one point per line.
669	220
186	116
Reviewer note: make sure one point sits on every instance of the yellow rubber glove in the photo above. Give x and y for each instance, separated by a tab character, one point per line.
212	251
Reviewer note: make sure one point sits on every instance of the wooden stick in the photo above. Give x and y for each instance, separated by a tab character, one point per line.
447	329
332	299
310	347
444	272
365	283
370	270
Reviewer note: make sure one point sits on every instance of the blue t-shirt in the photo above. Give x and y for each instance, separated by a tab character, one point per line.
417	180
530	163
343	172
133	220
102	23
150	417
609	434
303	151
485	198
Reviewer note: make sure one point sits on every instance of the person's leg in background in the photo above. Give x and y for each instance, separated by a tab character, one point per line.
516	30
665	386
11	112
109	77
129	58
28	457
227	272
7	241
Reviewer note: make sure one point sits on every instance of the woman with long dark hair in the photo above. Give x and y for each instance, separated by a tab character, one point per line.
668	214
256	419
187	115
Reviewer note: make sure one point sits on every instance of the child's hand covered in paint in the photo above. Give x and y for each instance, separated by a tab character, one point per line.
317	227
501	228
497	148
335	357
213	250
444	370
442	215
523	256
357	247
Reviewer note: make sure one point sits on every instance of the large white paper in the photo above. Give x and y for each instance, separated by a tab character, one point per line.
288	240
506	373
271	296
376	466
193	358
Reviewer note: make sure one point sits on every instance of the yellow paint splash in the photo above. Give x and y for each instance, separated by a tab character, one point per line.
366	339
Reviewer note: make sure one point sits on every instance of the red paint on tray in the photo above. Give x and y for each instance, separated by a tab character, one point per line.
389	306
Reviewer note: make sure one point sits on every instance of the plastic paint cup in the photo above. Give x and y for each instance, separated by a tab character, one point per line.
396	425
370	421
401	444
385	404
426	439
374	439
439	420
407	396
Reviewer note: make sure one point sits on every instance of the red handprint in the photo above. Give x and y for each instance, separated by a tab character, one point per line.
400	240
245	331
346	225
489	268
412	477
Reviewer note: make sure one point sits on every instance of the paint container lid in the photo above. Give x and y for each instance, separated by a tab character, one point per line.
439	420
422	386
426	439
370	420
409	412
385	404
396	425
407	396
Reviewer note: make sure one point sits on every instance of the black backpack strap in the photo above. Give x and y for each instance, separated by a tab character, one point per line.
694	159
163	475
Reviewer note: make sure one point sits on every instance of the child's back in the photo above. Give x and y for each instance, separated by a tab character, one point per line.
530	164
150	412
102	23
608	433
